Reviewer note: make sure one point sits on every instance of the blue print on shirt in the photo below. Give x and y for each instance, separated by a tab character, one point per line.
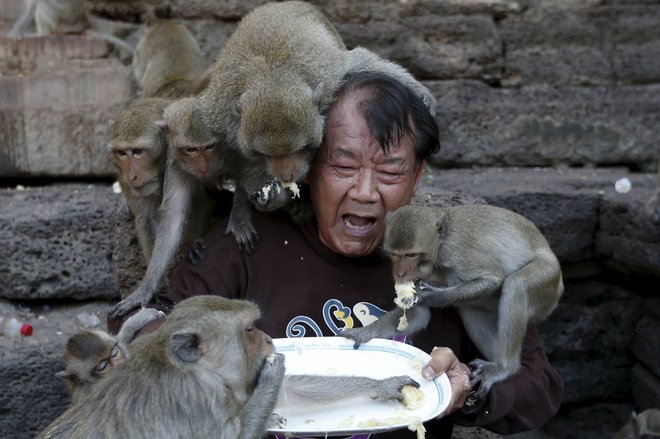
336	317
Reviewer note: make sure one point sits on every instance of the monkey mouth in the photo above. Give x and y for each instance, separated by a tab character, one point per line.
359	224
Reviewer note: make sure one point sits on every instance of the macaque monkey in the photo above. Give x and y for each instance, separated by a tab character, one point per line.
492	264
60	17
91	354
198	154
207	371
139	150
168	62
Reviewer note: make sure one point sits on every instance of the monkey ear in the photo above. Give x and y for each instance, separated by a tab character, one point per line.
63	375
441	225
186	347
162	125
317	94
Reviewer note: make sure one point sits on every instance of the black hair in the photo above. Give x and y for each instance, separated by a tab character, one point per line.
388	107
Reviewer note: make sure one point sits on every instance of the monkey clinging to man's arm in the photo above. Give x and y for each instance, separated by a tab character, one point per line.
492	264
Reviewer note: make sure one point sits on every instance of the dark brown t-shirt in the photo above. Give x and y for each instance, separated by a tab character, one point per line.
303	289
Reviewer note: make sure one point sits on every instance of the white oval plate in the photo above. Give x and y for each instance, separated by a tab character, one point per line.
378	359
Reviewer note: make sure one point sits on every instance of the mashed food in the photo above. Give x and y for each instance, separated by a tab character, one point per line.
293	187
412	397
405	295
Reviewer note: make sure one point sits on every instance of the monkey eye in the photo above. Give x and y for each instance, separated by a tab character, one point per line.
209	147
250	327
411	255
114	351
137	152
189	149
120	154
101	366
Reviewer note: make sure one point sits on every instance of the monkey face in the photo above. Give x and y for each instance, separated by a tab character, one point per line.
354	183
138	169
283	125
201	161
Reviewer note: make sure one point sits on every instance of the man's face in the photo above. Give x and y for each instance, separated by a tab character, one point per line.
354	183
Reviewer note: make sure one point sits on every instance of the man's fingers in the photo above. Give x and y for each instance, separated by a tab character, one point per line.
442	360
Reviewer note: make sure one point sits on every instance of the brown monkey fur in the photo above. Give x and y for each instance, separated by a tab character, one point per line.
168	62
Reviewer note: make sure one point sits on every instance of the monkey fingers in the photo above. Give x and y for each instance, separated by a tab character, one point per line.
195	254
245	235
128	304
390	388
262	198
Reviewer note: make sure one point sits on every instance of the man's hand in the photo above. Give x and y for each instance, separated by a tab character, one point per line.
444	360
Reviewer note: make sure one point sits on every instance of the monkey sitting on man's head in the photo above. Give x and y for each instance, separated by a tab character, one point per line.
490	263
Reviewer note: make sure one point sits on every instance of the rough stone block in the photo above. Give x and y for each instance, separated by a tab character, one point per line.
30	395
647	336
57	124
545	126
589	378
433	46
645	387
47	54
633	36
562	203
10	10
57	242
592	318
628	239
555	45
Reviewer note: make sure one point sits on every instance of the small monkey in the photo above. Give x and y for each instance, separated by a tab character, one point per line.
139	150
206	359
492	264
60	17
168	62
91	354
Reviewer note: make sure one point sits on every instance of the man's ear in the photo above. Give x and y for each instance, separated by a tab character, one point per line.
419	172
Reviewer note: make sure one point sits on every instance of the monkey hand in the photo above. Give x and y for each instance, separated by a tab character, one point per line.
263	199
244	233
272	370
358	335
140	297
195	254
423	290
389	389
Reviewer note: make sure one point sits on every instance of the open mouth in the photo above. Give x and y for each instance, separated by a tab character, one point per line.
358	224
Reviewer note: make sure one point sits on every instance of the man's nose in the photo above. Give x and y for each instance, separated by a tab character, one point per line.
365	187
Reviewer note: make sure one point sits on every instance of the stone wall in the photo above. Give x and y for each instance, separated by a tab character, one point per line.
542	106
